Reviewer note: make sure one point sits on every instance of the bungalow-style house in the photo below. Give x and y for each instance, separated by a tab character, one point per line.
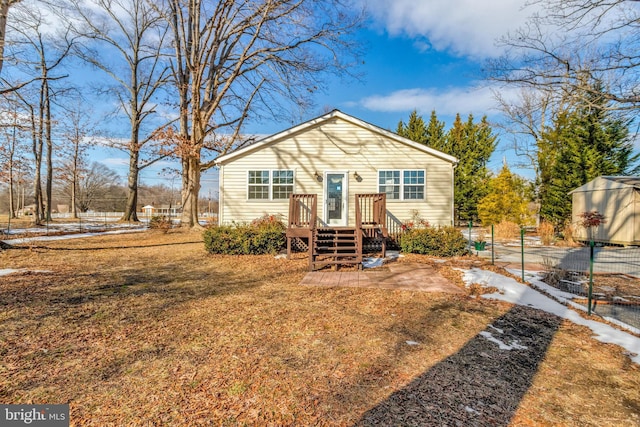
335	157
618	199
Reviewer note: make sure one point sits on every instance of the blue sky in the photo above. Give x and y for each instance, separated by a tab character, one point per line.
421	54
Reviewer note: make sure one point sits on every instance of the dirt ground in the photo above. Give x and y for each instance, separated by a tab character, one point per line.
149	329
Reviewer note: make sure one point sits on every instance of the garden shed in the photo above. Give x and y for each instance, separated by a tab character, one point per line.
618	199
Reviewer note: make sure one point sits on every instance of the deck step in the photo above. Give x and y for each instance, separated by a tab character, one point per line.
335	246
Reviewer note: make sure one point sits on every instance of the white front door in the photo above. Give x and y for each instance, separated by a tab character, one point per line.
336	197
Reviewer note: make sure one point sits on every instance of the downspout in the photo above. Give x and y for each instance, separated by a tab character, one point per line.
220	195
453	190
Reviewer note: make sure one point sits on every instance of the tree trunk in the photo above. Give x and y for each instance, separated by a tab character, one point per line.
12	207
4	11
190	191
49	182
130	212
74	203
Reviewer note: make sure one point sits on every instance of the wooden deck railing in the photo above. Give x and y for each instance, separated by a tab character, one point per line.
371	217
303	211
302	221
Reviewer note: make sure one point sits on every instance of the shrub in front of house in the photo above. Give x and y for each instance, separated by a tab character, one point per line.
434	241
265	235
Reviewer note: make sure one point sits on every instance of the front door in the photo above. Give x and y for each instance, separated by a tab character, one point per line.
336	196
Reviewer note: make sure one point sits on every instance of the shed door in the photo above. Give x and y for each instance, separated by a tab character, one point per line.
336	197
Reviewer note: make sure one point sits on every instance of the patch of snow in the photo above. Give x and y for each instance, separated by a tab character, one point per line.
372	262
513	346
70	236
470	410
7	271
281	256
498	330
412	343
517	293
621	324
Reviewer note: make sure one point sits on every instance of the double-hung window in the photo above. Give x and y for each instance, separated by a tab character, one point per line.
402	184
270	185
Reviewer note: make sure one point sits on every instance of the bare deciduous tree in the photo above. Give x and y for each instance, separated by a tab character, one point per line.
125	39
47	55
77	128
13	127
240	60
4	13
570	44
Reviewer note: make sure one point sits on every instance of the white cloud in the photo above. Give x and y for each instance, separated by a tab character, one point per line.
114	162
463	27
476	100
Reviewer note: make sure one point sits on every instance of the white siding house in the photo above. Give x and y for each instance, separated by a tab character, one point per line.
336	156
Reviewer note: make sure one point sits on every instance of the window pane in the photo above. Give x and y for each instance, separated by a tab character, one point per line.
258	177
389	183
392	191
283	177
414	177
413	192
282	191
389	178
258	192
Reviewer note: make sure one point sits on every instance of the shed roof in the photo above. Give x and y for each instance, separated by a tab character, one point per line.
324	118
609	183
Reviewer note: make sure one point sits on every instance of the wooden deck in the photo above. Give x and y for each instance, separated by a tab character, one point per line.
399	276
336	245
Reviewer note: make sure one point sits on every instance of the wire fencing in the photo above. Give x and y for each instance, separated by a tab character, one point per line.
62	224
603	280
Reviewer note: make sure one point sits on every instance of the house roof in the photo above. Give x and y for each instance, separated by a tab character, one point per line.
609	183
325	118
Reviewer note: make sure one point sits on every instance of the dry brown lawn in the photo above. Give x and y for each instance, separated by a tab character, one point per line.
148	329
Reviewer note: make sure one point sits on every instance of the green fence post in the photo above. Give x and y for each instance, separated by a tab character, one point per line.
470	225
590	296
492	246
522	250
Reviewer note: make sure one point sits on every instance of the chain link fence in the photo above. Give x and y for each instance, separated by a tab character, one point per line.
603	280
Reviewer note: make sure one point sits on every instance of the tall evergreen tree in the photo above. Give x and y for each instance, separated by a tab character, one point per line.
414	129
473	144
435	132
582	144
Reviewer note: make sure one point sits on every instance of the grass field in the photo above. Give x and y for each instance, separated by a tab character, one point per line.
149	329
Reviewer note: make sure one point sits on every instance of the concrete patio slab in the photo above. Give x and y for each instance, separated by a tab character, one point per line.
399	276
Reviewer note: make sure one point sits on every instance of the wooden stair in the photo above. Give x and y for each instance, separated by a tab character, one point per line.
336	246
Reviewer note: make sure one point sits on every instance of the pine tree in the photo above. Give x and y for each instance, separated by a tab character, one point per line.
473	144
414	129
582	144
435	132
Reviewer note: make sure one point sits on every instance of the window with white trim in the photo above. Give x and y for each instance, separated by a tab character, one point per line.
270	185
402	184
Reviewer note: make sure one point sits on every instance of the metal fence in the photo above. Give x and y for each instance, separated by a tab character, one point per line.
91	223
603	280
